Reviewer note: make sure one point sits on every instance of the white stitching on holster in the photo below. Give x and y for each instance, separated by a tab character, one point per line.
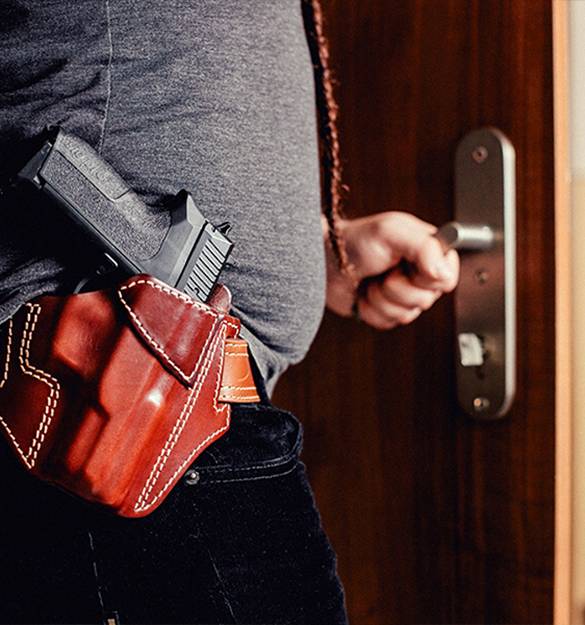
38	374
142	504
43	376
156	346
8	352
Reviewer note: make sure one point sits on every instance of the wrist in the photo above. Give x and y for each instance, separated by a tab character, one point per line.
341	285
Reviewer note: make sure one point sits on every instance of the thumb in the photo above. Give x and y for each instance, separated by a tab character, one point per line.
431	261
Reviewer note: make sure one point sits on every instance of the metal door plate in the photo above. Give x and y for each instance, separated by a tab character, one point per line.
485	300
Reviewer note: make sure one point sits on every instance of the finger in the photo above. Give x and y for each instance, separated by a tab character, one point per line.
449	272
371	315
405	234
368	314
398	288
392	311
430	260
453	262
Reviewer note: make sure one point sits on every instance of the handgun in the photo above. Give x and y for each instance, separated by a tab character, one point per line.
93	196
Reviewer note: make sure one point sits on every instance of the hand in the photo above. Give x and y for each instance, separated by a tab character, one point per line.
385	296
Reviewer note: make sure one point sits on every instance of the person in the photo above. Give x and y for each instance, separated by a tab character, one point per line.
216	96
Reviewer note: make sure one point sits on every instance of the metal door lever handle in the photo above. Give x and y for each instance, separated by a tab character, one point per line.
456	236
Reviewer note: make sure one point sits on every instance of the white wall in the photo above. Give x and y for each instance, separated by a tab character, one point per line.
577	51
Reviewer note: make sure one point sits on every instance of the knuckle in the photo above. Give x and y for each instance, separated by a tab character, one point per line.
428	301
408	316
384	226
379	324
451	284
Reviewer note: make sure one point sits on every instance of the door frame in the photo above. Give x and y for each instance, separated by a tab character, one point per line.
563	598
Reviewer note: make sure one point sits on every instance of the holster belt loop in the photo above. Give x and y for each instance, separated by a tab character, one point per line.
238	384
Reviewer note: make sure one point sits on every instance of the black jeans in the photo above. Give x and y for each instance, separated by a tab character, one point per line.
239	540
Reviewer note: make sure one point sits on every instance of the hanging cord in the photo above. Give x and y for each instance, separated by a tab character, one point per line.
327	113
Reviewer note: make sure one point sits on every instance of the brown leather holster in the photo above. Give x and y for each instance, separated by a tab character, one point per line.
112	394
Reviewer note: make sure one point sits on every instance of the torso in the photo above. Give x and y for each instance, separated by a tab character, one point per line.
213	96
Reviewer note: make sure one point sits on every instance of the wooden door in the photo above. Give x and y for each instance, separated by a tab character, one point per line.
437	518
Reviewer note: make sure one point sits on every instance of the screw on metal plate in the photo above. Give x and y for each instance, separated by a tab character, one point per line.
192	477
480	404
480	154
481	275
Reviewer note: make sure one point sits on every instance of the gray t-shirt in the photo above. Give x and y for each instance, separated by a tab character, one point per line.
215	96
